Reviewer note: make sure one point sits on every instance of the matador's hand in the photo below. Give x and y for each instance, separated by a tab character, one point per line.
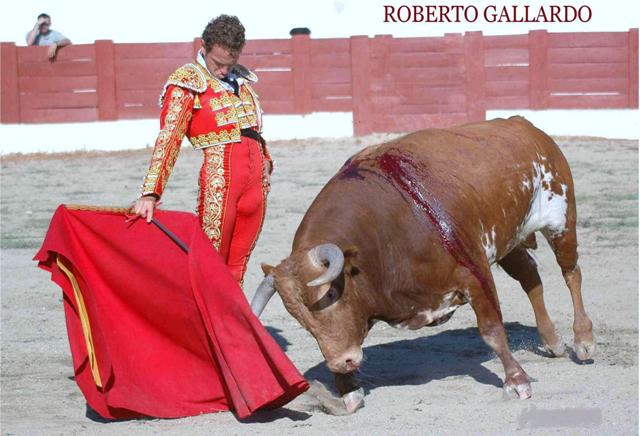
144	207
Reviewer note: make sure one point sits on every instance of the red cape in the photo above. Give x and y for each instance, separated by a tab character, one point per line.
171	333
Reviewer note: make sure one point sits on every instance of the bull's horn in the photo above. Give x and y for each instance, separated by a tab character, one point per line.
330	253
263	295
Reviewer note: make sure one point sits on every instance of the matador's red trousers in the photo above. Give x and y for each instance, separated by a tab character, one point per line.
232	200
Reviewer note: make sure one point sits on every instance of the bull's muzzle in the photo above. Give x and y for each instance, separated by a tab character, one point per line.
347	362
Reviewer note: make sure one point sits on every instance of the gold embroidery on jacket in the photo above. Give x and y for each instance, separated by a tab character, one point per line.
231	113
216	138
217	103
225	118
213	194
168	142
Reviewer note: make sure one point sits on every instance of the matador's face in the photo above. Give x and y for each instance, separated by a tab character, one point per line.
220	60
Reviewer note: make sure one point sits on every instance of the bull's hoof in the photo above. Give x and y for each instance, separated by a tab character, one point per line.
517	386
584	350
353	400
558	349
521	391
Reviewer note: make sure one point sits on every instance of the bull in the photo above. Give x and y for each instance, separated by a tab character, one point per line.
406	232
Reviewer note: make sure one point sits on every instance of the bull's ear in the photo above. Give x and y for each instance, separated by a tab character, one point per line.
350	252
266	268
350	259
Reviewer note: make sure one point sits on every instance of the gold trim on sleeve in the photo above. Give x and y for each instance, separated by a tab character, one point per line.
168	142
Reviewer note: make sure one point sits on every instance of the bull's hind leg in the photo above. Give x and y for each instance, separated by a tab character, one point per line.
484	301
565	247
521	266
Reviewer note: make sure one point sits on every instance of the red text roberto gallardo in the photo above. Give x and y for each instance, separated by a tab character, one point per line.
457	13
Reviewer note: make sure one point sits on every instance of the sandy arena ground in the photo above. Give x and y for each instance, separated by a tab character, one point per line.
440	380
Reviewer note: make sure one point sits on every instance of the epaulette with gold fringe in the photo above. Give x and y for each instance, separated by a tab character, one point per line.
187	76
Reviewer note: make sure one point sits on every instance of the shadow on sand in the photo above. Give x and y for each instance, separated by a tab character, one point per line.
418	361
277	336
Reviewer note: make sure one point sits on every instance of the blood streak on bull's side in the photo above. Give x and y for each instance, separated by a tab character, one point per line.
405	175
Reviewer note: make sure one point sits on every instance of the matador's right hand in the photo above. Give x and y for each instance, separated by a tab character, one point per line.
144	207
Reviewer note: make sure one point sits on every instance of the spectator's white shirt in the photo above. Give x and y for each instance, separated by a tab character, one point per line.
53	37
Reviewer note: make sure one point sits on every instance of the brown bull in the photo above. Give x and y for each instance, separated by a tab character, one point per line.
407	231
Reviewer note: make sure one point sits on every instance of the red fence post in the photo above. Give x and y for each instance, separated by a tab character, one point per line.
197	43
360	86
9	86
301	53
538	69
633	68
106	70
475	76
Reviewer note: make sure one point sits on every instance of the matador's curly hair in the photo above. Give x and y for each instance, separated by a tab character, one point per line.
226	31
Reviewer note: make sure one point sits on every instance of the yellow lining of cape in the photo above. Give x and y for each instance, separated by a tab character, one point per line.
84	321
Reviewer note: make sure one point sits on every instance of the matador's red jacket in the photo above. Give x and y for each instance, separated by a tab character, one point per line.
197	104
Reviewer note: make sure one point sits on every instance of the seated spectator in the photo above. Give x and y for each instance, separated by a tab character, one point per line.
42	34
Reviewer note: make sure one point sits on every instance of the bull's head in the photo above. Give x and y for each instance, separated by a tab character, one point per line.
321	287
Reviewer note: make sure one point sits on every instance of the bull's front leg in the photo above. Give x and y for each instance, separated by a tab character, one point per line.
350	391
484	301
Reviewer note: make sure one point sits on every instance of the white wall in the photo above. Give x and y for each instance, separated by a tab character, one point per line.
606	123
132	134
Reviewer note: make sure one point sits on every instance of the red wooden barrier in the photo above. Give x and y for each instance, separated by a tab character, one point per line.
632	74
475	75
63	91
390	84
106	89
301	52
538	69
361	102
272	60
10	105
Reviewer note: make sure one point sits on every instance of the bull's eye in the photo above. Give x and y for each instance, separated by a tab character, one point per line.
332	294
327	299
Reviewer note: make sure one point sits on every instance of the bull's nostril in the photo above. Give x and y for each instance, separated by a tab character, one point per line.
350	364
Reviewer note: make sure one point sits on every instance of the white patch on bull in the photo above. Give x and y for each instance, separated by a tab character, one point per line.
526	185
489	244
429	316
467	295
548	210
402	326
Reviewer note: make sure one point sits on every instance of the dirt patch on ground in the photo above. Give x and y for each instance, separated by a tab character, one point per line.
437	380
